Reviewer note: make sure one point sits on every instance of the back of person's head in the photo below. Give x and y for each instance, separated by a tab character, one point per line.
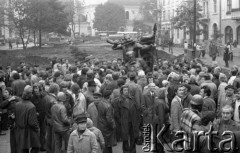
75	77
75	88
207	90
16	76
207	117
209	69
192	79
61	97
54	88
120	82
216	76
34	71
132	76
234	72
222	77
115	76
84	71
107	93
207	76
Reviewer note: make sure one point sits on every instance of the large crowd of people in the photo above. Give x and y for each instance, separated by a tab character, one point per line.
90	106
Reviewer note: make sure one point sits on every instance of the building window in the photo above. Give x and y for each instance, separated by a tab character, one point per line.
163	2
229	6
228	34
127	15
215	6
204	8
177	33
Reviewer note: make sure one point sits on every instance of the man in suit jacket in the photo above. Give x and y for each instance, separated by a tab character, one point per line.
148	104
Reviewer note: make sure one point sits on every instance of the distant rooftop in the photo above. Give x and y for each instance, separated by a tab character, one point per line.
127	2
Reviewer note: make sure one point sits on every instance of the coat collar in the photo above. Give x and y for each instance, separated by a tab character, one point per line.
85	133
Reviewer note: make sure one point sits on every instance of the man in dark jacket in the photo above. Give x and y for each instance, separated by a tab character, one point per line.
236	82
226	56
61	123
27	128
18	85
128	113
38	99
208	103
106	121
51	99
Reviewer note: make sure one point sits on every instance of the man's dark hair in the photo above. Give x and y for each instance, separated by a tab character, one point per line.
16	76
120	82
216	75
207	77
206	90
75	77
234	72
84	71
209	69
34	71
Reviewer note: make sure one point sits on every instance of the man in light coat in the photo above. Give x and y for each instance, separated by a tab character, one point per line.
82	140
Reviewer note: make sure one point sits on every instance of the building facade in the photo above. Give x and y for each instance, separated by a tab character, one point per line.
131	11
230	20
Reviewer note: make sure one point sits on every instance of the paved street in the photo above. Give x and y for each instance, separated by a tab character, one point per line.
207	59
5	145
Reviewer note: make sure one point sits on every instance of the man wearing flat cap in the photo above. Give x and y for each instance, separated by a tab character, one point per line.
82	140
226	98
27	129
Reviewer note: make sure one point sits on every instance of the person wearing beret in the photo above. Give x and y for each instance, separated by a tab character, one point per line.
82	140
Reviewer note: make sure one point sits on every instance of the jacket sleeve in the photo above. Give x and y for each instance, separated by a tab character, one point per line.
94	144
64	115
32	119
4	104
101	140
109	117
70	148
174	115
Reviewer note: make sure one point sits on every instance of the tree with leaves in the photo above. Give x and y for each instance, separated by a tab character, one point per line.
18	19
185	18
109	17
148	11
73	10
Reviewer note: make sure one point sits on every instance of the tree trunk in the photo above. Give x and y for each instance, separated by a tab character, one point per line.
28	38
